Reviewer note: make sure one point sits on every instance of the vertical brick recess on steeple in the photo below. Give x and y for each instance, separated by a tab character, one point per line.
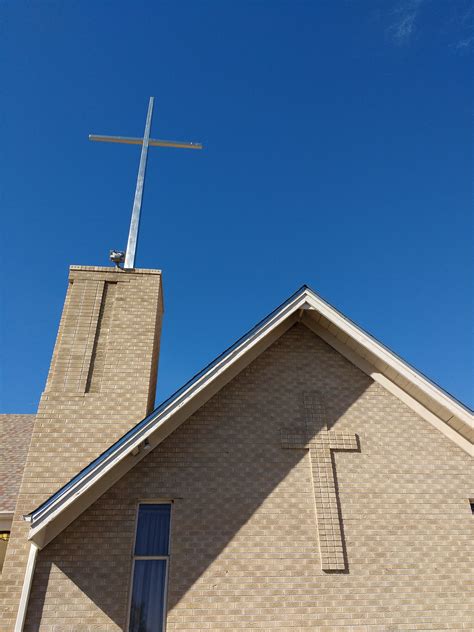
101	382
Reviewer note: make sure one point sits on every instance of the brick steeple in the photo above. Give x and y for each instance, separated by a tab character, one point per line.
102	380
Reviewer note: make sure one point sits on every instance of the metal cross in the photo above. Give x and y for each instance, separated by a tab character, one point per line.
315	437
145	142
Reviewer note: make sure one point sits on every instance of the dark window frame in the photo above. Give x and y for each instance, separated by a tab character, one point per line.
166	558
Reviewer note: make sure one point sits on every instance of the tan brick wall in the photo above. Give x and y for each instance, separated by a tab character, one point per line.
101	382
245	548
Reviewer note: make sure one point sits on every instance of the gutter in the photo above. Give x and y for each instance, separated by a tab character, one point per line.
26	589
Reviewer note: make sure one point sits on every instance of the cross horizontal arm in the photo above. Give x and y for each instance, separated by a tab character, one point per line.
342	441
139	141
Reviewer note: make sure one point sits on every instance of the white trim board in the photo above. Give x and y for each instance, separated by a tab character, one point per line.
436	406
390	386
26	588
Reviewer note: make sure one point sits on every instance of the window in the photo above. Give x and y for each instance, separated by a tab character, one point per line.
4	537
150	568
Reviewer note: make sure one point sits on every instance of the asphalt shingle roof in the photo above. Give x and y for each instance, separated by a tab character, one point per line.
15	433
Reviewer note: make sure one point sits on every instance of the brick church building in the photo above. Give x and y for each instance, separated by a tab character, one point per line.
307	479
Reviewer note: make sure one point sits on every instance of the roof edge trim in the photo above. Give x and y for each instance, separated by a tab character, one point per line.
136	436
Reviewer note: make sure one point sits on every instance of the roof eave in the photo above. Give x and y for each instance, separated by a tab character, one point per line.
131	448
162	423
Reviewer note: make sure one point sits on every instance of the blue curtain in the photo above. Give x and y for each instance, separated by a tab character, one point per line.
148	594
153	530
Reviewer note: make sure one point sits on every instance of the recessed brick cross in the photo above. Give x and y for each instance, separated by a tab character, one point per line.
314	436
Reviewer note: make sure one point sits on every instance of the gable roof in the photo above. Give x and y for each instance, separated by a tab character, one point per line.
16	436
426	398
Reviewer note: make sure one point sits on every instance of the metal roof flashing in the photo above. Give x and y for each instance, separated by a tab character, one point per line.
126	452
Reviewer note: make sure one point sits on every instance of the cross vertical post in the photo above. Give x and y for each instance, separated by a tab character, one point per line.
137	202
315	437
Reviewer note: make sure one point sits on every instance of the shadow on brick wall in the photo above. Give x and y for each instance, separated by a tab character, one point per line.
242	504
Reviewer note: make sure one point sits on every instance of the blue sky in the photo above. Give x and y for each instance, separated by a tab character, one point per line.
338	153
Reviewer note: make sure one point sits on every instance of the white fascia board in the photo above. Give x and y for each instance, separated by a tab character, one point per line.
402	394
157	421
389	358
39	520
